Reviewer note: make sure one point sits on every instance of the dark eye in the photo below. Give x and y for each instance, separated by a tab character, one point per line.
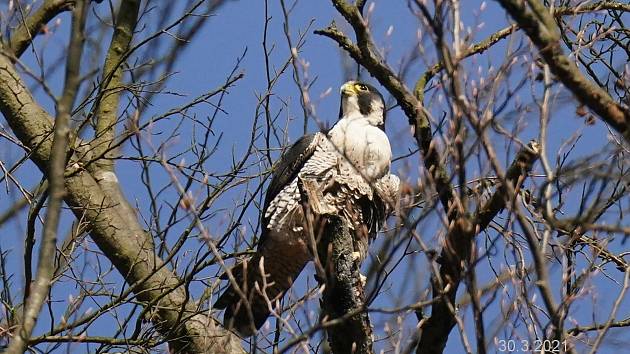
362	87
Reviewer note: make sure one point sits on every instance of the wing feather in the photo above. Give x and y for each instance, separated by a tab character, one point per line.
287	168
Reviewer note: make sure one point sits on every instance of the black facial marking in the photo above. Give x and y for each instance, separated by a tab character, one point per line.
365	99
341	106
365	102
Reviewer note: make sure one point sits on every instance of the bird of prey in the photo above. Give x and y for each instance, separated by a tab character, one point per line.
344	172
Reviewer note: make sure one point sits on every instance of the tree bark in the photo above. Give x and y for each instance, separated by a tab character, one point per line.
343	297
129	249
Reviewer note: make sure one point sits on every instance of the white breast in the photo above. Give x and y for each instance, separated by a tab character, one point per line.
365	146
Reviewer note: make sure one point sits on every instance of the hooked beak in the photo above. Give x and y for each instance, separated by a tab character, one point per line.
348	89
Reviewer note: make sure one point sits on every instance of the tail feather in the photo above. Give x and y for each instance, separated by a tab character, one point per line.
282	265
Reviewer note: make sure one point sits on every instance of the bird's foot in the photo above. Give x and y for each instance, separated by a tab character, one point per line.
355	256
362	280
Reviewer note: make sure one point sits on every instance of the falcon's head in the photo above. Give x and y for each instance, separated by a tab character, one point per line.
361	100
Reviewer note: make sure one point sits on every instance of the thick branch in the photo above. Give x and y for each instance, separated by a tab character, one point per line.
343	292
128	250
32	25
515	174
108	102
55	176
539	25
457	250
112	83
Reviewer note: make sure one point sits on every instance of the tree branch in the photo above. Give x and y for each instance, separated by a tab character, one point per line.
472	50
618	324
55	176
543	32
591	7
129	250
112	83
501	34
514	176
31	26
106	112
343	291
457	250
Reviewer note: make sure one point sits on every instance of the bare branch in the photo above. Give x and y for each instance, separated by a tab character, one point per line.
56	181
112	85
130	251
457	251
32	25
343	290
539	25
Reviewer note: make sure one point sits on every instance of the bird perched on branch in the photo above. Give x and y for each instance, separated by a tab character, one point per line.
343	172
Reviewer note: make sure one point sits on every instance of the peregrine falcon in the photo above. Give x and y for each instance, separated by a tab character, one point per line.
345	172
